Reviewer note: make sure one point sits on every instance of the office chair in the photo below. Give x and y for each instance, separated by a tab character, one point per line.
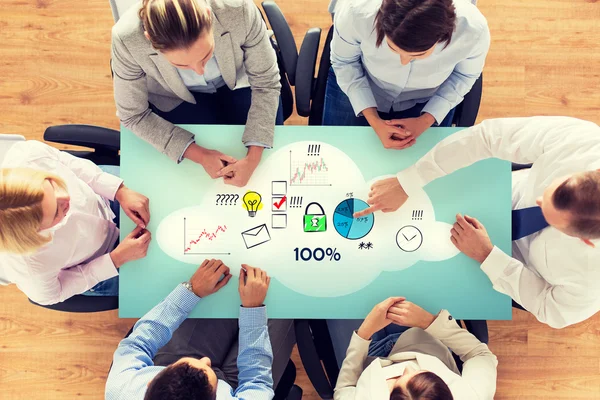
318	357
310	90
285	390
105	151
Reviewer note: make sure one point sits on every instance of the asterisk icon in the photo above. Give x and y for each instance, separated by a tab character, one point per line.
369	245
361	246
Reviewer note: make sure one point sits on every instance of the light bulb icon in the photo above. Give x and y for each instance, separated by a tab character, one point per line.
252	203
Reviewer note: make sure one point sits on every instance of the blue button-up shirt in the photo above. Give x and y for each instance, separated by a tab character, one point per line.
373	76
209	82
133	367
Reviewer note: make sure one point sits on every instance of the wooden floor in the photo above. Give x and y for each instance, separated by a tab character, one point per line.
54	69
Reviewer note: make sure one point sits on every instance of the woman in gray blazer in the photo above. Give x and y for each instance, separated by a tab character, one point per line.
396	364
197	62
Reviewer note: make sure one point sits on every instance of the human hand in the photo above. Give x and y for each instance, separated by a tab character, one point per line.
254	283
207	278
409	314
413	126
239	173
392	136
133	247
471	238
386	195
377	318
211	160
135	205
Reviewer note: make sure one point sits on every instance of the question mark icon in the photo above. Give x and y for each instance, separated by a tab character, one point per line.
237	196
218	198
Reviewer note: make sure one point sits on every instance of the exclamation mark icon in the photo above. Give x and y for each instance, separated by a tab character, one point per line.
318	149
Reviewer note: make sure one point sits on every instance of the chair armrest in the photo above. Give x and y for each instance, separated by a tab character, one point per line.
311	360
318	97
284	37
516	167
305	70
84	304
479	329
96	137
469	108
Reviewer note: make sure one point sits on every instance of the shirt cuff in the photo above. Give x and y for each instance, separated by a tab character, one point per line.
107	185
410	180
495	264
255	317
361	99
442	322
183	298
104	268
438	107
259	144
180	159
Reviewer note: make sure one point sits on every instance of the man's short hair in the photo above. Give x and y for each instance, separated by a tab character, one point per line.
580	196
180	381
415	25
423	386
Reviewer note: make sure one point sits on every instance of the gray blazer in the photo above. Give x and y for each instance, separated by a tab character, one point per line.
142	75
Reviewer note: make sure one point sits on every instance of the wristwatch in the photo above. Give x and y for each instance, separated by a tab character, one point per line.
188	286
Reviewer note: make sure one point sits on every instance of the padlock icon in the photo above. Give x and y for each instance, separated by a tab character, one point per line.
315	222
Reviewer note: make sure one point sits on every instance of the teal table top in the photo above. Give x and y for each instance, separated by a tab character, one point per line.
294	219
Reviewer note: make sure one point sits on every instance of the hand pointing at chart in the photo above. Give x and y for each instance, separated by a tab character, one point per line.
386	195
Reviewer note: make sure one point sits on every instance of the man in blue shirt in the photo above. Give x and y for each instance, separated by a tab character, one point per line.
199	362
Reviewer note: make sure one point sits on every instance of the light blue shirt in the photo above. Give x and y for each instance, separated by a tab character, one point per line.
133	367
374	77
209	82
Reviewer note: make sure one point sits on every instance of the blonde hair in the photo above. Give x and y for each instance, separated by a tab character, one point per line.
21	195
174	24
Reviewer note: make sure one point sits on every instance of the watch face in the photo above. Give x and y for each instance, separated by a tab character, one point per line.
409	238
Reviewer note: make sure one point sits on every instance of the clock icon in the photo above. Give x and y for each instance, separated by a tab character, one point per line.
409	238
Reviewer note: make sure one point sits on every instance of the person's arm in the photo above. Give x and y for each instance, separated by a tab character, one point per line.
459	83
520	140
479	363
131	98
47	289
352	367
346	62
255	356
261	67
150	333
555	305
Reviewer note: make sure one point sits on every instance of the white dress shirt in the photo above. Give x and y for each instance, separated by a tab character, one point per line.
373	76
77	257
552	275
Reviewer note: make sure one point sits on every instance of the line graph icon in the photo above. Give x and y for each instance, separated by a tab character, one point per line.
308	172
203	240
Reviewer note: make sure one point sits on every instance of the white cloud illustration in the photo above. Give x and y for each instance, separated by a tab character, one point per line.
397	240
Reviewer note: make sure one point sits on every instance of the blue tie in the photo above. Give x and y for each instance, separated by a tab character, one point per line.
526	221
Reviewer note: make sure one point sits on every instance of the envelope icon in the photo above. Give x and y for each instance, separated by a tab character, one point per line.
255	236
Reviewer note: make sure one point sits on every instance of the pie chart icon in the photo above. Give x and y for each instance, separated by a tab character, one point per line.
348	226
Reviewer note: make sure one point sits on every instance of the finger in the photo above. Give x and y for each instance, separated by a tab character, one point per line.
223	282
460	220
249	270
211	264
408	144
394	122
398	133
144	214
242	277
228	159
135	233
204	263
367	211
474	221
134	217
145	237
454	241
268	281
393	300
217	264
397	319
458	227
227	170
454	232
222	270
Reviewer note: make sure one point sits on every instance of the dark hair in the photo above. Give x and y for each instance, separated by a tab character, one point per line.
423	386
180	381
415	25
580	196
174	24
